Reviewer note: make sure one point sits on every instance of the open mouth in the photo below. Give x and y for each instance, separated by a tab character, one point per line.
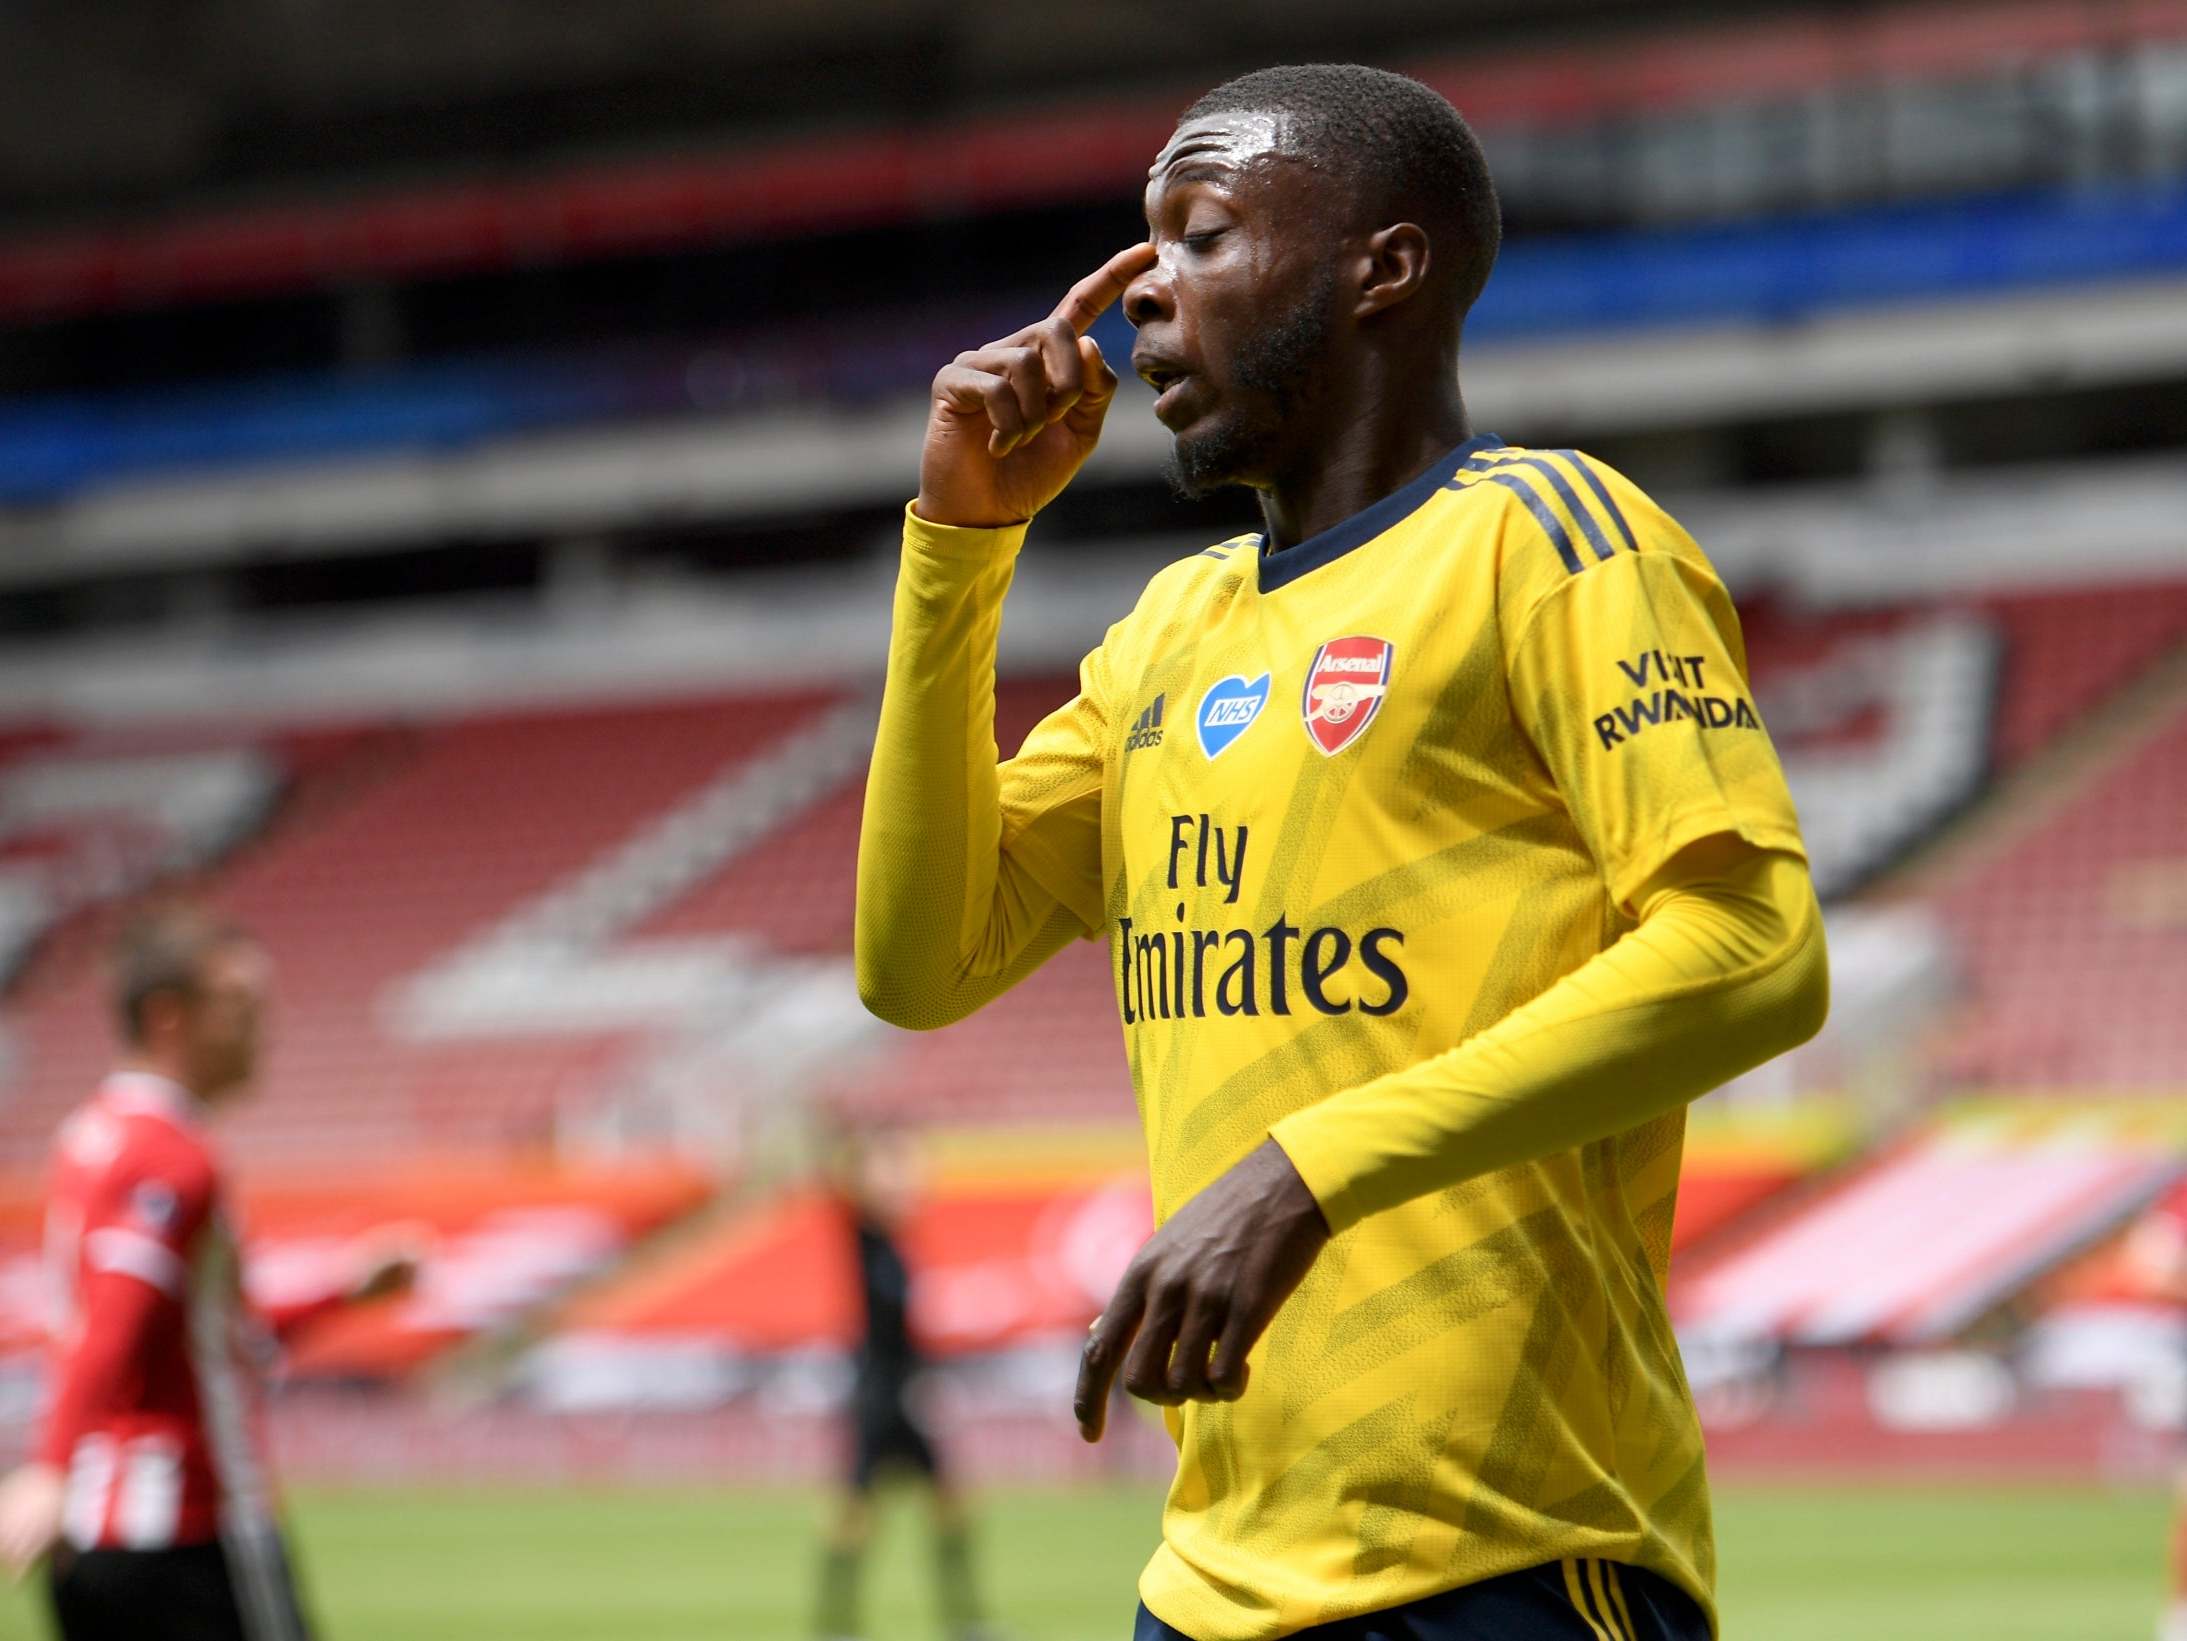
1168	383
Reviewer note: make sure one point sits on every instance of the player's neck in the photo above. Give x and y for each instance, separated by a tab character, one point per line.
167	1069
1378	443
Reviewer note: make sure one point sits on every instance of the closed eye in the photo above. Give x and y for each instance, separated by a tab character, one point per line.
1202	240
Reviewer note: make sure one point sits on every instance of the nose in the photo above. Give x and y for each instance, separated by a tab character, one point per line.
1150	296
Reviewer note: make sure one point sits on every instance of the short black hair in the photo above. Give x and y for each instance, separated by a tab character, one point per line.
1398	145
163	949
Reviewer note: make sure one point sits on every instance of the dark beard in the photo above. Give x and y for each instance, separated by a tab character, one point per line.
1278	365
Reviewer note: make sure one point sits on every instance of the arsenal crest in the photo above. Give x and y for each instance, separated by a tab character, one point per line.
1344	689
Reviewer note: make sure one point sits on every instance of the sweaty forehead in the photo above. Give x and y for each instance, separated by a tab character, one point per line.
1234	142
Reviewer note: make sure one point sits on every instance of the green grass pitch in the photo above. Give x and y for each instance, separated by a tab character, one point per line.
1811	1564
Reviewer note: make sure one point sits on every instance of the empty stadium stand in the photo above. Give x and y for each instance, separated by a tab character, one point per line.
1047	1052
448	837
1911	1247
2074	935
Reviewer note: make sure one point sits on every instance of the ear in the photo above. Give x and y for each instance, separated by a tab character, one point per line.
1396	268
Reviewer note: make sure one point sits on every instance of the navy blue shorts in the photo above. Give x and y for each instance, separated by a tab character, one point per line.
1564	1601
887	1435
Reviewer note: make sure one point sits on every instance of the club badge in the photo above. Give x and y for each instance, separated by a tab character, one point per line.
1344	690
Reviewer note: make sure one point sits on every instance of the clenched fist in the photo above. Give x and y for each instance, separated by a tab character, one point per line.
1012	422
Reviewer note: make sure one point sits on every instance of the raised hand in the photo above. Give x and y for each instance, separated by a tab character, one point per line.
1011	423
385	1277
1202	1290
390	1261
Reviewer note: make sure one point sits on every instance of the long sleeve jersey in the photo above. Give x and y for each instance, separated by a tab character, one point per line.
1446	847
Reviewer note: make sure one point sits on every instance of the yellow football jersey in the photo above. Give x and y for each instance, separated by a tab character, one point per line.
1337	808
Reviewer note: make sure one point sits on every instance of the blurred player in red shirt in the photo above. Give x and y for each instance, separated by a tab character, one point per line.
149	1487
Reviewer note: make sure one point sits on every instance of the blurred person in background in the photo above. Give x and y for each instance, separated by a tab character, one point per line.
2157	1251
875	1175
150	1490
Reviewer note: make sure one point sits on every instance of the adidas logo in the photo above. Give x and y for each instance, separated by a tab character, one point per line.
1148	730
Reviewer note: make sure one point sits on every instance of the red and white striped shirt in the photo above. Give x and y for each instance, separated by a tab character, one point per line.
157	1362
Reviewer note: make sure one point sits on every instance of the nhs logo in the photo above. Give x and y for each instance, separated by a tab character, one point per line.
1228	709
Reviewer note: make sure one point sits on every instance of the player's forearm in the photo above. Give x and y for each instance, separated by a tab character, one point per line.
118	1312
944	916
1723	972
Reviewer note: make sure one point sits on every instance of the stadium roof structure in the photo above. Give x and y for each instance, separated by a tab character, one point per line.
355	62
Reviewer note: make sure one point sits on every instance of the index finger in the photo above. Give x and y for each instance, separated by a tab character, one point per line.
1093	296
1106	1342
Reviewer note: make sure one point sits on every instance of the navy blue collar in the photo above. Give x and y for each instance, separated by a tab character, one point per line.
1290	563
